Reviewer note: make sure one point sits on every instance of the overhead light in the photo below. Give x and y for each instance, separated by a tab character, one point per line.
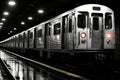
0	26
11	31
23	23
6	13
30	18
3	19
1	23
40	11
15	29
11	2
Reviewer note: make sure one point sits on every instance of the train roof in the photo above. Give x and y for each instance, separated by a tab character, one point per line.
94	7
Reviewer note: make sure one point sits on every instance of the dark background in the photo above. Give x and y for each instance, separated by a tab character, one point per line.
25	8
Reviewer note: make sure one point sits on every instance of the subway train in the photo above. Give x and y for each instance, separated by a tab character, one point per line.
85	31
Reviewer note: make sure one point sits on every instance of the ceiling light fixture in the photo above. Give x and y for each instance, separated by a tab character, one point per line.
1	23
11	31
40	11
15	29
3	19
11	2
30	18
23	23
6	13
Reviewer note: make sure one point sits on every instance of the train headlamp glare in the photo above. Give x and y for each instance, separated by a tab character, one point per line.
83	35
108	35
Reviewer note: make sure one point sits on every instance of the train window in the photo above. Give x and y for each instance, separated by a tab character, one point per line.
21	38
57	29
15	39
24	36
40	33
95	23
31	35
70	24
47	25
49	31
81	21
108	21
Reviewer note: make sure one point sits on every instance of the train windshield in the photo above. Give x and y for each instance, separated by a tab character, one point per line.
82	20
95	23
108	21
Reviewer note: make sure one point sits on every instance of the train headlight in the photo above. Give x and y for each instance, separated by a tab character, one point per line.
83	35
109	35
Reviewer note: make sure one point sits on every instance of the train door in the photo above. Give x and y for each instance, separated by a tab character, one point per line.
40	37
24	40
67	31
35	36
64	32
17	41
70	30
97	31
56	33
81	30
45	40
109	31
28	39
21	40
24	36
47	35
31	38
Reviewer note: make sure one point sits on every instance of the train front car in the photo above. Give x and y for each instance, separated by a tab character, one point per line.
95	30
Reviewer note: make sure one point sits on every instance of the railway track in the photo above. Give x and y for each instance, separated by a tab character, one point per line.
49	67
4	73
83	72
